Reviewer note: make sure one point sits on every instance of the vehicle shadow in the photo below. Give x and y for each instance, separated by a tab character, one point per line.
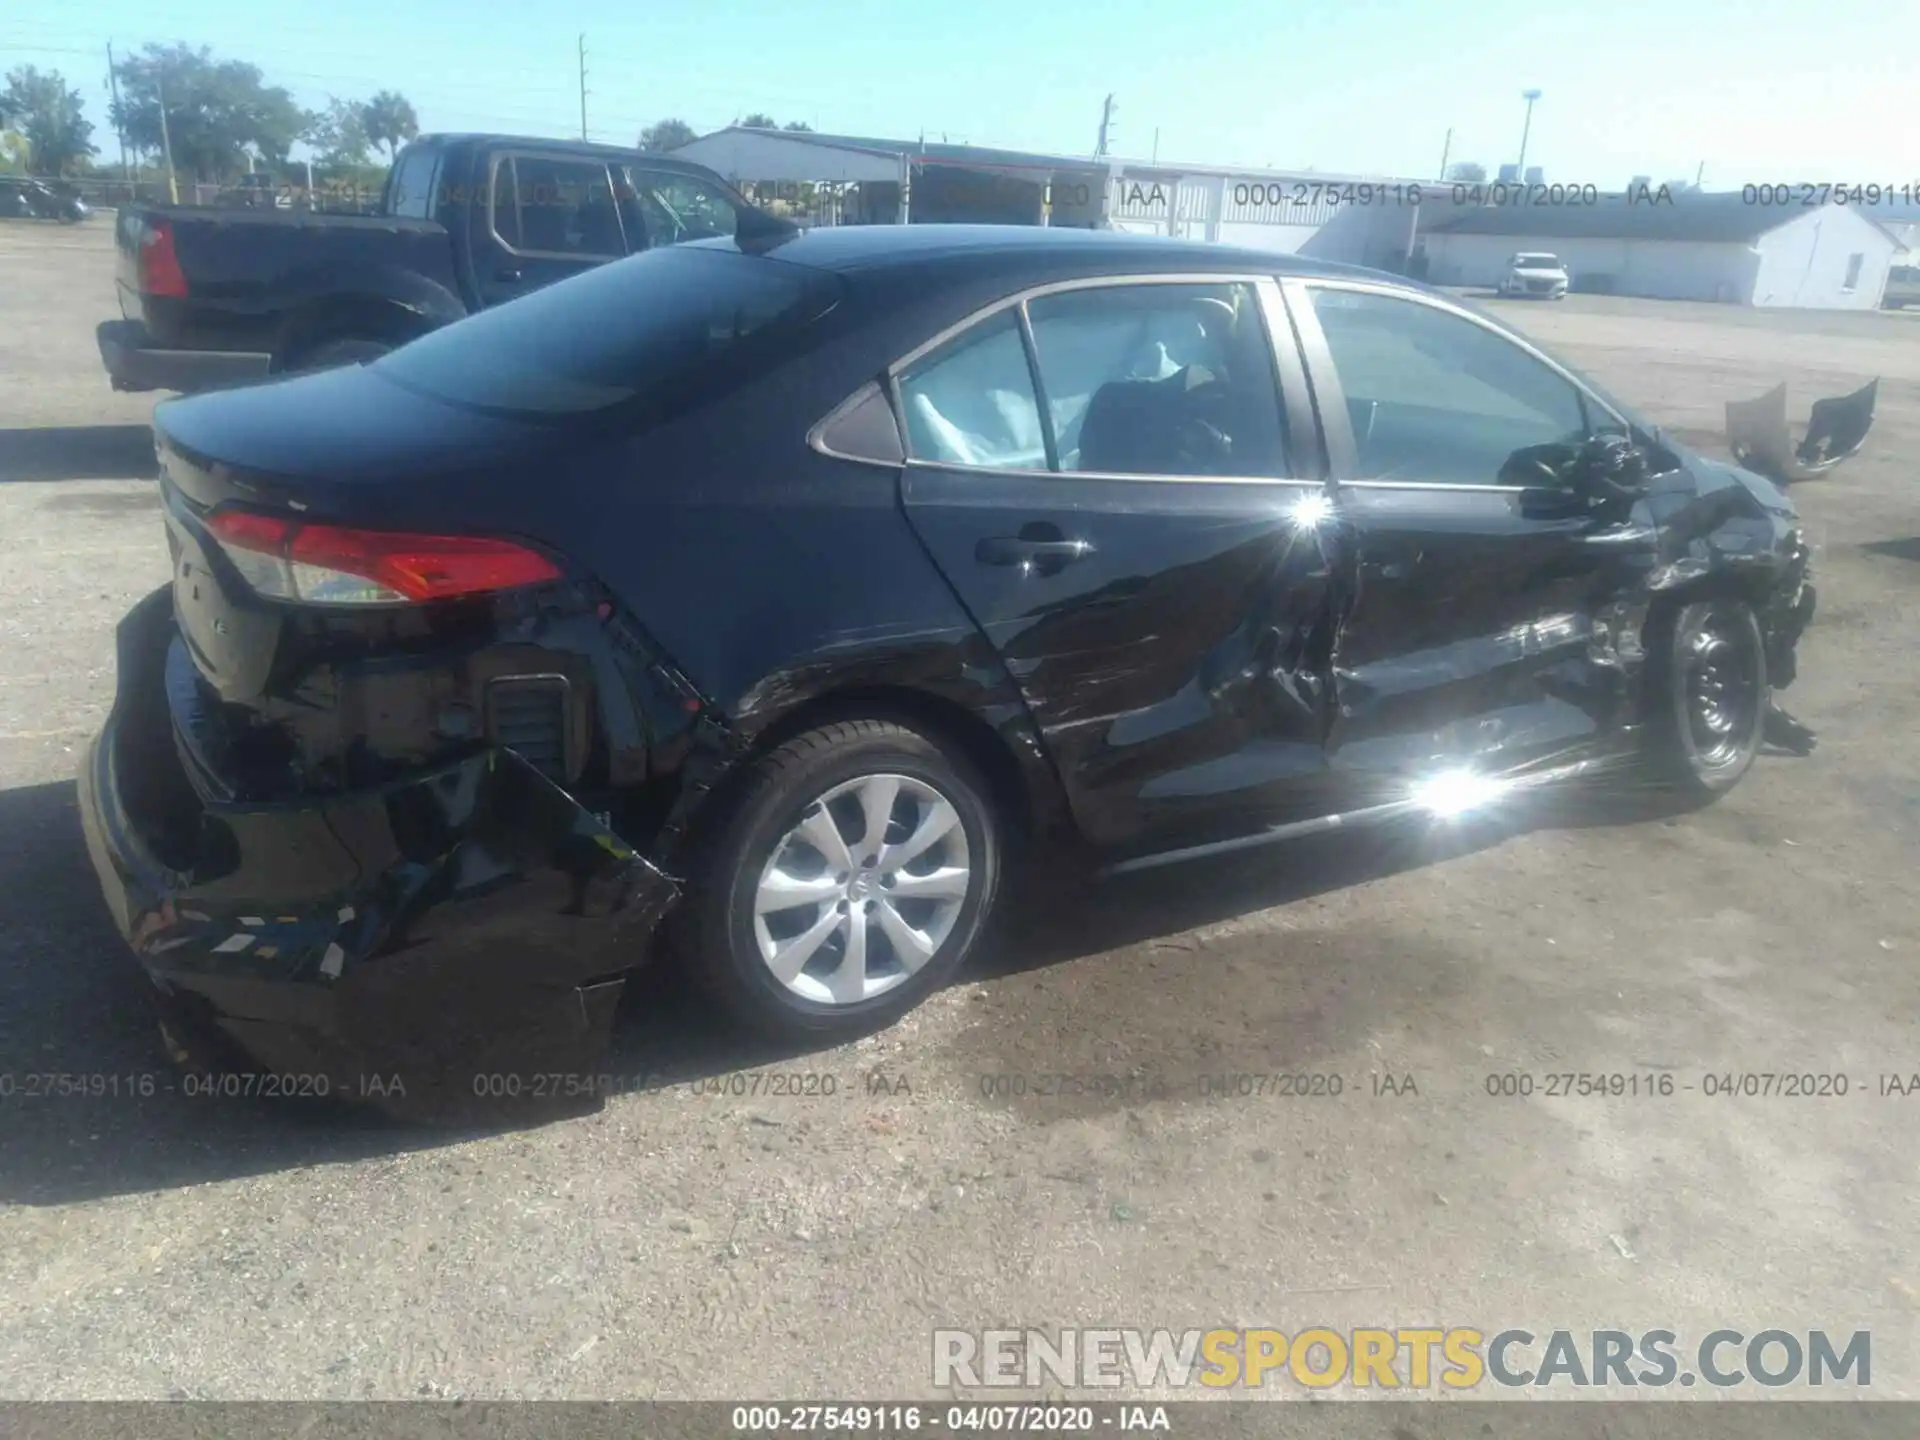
77	452
72	1003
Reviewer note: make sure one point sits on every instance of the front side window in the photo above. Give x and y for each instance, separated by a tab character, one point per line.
1438	399
1159	380
667	209
971	402
551	205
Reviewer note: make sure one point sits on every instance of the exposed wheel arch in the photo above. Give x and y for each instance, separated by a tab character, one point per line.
1028	791
310	329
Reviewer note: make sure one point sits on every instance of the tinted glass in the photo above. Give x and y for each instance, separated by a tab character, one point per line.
560	207
1159	380
410	192
664	330
971	402
1437	398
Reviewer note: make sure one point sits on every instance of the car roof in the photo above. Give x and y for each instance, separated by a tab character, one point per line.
564	147
866	248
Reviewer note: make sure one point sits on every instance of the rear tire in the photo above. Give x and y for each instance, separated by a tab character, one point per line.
1709	695
849	881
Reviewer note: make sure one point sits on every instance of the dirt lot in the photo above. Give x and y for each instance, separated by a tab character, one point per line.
680	1244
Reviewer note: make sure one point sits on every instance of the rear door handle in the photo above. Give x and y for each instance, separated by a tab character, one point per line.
506	273
1040	554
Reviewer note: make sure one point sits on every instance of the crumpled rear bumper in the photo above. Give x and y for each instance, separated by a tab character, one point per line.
427	946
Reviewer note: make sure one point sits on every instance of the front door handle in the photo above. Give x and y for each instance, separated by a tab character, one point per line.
1042	556
507	273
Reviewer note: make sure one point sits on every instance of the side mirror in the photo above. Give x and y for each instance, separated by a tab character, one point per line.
1612	468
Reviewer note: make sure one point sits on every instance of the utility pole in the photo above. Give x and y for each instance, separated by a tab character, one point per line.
1699	174
583	87
1106	126
1446	149
1156	145
1520	170
166	140
113	84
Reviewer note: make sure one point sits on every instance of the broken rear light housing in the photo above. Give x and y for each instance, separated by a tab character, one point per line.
288	559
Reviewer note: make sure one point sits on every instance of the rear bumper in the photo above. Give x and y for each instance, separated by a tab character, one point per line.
133	363
426	947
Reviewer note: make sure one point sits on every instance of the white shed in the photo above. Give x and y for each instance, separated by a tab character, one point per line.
1686	247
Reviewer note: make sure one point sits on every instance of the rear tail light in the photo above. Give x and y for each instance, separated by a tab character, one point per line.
160	272
329	565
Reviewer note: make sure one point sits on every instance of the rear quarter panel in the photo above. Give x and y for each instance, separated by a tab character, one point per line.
247	270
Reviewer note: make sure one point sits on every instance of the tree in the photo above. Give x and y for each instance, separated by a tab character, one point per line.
760	120
798	125
217	111
667	135
389	120
339	133
1467	172
49	118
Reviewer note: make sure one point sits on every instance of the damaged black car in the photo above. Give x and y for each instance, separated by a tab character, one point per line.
773	595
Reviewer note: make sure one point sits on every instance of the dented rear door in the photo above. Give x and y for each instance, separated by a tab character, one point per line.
1162	605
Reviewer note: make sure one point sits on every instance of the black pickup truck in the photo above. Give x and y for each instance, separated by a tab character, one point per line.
213	297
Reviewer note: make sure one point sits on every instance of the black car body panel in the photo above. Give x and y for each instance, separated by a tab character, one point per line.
1189	663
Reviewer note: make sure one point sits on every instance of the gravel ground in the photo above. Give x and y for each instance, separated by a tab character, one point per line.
678	1244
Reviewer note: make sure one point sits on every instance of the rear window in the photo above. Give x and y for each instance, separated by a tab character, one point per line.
660	331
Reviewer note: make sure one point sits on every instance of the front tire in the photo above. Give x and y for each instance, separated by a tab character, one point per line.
1709	695
850	880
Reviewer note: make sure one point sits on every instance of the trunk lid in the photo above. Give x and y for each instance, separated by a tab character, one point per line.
282	688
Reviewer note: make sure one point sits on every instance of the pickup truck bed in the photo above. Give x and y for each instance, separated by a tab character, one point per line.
218	296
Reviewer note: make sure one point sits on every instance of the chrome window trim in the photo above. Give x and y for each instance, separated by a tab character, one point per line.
1285	364
594	257
1336	425
1155	478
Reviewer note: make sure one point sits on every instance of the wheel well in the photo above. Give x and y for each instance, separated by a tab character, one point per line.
936	718
351	318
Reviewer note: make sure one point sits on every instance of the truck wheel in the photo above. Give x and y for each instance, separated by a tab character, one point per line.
331	354
1709	695
850	879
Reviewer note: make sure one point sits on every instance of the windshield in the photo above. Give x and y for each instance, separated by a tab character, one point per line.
669	325
1536	262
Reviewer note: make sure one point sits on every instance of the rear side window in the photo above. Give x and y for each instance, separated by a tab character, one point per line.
411	190
551	205
661	333
972	403
1160	380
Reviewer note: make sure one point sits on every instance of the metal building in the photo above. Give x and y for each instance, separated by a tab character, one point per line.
847	179
1730	247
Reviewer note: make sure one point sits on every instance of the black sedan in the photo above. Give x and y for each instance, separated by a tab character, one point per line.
787	589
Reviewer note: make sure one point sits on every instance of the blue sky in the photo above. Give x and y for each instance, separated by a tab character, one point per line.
1767	90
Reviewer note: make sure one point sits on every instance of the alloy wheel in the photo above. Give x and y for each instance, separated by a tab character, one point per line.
863	890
